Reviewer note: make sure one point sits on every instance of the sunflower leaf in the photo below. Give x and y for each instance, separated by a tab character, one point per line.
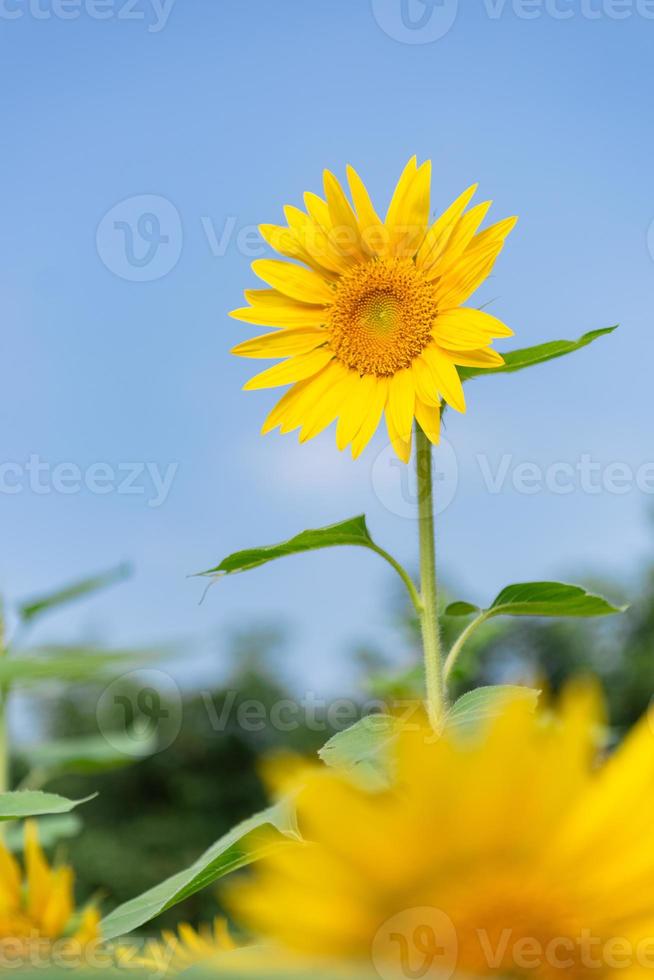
33	803
243	845
540	599
360	750
518	359
351	532
32	608
488	702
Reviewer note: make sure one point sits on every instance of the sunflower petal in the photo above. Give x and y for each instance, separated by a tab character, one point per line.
374	236
429	420
425	386
294	369
401	401
467	329
411	215
354	407
439	233
372	418
483	358
271	308
458	241
282	343
344	226
293	280
401	446
446	377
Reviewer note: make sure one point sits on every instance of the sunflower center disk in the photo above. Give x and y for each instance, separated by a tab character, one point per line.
382	317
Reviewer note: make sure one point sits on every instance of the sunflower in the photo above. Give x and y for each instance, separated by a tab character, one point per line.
371	321
519	853
37	910
178	951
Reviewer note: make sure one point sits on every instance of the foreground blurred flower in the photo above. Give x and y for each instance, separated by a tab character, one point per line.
175	952
37	911
516	854
372	321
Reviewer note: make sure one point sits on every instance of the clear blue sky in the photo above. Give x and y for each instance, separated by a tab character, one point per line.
228	110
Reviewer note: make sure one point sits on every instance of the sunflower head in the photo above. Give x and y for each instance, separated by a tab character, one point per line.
516	853
37	908
368	317
180	950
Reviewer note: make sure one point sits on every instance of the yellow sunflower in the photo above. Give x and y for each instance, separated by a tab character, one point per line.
37	908
178	951
371	322
519	853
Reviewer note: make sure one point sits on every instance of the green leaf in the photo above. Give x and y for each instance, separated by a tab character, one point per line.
246	843
518	359
51	830
461	609
550	599
488	702
34	803
360	750
540	599
32	608
350	532
67	664
88	754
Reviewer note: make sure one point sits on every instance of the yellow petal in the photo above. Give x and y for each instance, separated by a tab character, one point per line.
295	406
374	235
313	238
484	358
401	400
271	308
458	241
38	873
409	213
403	184
293	280
465	276
372	418
354	408
437	237
401	446
294	369
327	393
319	212
466	329
344	226
282	343
429	420
424	383
446	377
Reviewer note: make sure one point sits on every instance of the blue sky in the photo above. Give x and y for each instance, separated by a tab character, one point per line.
212	115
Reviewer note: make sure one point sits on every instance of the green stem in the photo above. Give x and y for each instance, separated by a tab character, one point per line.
431	639
404	575
461	640
4	733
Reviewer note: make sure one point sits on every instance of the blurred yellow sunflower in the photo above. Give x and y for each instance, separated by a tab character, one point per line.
177	951
37	909
371	322
519	853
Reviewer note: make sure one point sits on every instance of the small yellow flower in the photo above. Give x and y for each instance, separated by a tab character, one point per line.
371	322
37	910
175	952
517	853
